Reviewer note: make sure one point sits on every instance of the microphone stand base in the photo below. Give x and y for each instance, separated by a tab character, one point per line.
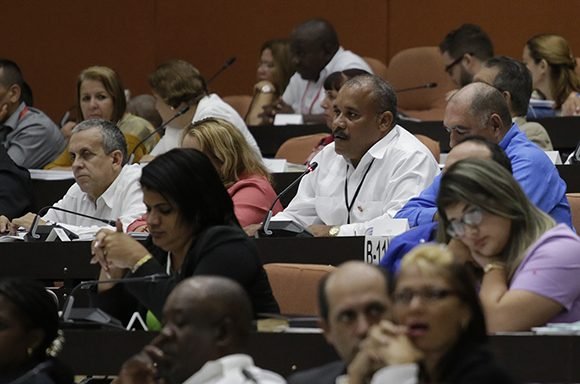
285	228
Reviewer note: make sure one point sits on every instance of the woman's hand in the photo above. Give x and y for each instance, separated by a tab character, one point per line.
115	249
571	107
386	344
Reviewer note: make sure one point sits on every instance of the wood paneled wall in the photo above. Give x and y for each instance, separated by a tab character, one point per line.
54	40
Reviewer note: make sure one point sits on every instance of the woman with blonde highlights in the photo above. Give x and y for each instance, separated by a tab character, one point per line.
520	248
100	95
440	336
247	180
552	64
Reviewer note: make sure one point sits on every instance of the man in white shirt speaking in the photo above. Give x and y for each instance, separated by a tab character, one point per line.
370	171
105	186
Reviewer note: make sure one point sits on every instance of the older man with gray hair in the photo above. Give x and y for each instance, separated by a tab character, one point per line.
106	187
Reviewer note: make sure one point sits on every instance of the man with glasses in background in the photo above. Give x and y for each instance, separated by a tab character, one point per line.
464	50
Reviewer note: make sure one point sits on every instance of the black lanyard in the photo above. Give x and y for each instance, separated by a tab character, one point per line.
349	206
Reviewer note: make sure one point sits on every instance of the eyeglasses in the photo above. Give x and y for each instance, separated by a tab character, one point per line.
473	218
450	66
459	129
428	295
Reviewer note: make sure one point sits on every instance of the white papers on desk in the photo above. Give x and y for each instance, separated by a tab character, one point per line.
275	165
12	238
288	119
558	329
49	174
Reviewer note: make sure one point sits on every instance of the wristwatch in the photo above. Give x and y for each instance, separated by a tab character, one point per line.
494	265
333	231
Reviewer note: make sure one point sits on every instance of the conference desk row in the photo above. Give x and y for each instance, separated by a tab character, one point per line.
70	260
530	358
47	192
563	131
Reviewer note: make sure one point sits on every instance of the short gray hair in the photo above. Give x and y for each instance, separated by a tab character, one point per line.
383	94
113	138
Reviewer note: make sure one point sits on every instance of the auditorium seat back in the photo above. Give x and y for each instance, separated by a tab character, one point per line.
297	149
417	66
574	200
295	286
377	66
432	145
241	103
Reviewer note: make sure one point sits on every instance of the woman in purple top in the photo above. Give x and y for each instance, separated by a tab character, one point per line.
531	265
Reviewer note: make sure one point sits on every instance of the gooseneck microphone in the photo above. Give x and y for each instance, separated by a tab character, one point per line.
95	314
181	111
157	130
417	87
265	227
226	65
32	235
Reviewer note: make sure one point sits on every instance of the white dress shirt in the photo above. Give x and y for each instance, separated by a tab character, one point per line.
233	369
400	168
305	96
210	106
123	199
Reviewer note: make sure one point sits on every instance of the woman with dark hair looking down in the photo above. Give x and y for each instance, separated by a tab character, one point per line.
193	231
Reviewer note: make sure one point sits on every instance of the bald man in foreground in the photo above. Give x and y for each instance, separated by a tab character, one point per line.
352	298
206	325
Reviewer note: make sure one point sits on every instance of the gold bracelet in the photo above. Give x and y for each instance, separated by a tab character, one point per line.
141	261
494	265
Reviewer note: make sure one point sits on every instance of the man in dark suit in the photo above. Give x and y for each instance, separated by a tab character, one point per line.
352	299
15	187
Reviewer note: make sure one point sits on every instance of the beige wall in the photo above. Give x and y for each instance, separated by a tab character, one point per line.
60	38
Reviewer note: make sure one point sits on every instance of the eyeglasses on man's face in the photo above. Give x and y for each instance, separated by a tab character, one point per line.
449	67
473	217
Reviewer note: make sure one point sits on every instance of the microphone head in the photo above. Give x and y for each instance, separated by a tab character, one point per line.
230	61
183	110
312	166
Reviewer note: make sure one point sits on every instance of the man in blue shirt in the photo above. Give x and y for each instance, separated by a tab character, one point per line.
480	110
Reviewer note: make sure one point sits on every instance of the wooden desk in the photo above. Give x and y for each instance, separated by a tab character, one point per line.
563	131
270	138
48	192
530	358
281	181
571	175
70	260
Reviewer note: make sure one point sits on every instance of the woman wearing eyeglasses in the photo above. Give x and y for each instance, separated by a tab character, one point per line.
440	336
531	265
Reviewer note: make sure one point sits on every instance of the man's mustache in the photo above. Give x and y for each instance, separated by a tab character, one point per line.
340	134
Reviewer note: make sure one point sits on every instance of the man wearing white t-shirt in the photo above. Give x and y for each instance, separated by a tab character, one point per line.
317	53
